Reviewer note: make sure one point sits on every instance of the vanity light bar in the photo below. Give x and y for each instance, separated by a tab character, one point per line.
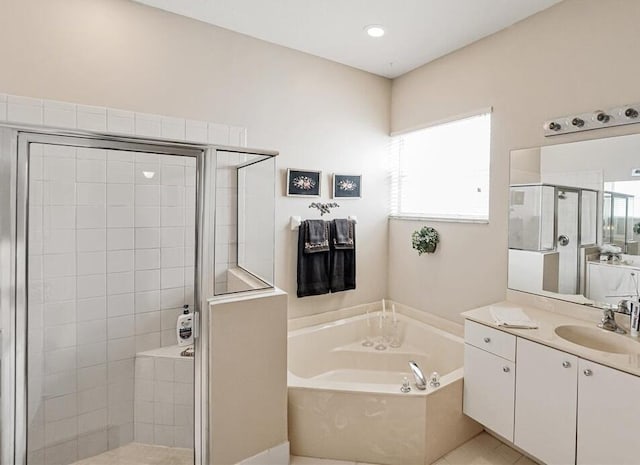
618	116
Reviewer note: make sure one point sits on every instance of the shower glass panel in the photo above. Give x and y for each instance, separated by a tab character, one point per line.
111	237
7	296
568	234
618	218
244	218
589	218
256	207
531	217
552	225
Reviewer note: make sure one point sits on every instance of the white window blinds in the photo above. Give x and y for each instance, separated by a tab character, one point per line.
442	171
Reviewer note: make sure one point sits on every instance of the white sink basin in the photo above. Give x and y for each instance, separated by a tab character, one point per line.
598	339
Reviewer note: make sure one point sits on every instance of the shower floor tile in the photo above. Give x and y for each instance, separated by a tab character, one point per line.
141	454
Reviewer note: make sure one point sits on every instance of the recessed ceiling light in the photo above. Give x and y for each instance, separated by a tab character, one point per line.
374	30
149	174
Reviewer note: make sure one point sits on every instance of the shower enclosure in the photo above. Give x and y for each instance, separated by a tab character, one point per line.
617	220
104	242
551	219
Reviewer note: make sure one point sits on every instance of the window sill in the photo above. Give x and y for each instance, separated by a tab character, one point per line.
439	219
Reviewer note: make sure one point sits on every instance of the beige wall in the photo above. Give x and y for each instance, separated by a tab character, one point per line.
249	369
318	114
576	56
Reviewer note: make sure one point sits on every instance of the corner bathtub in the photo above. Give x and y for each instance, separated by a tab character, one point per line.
345	401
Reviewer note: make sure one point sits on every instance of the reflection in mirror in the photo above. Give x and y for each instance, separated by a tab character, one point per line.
618	216
574	220
245	233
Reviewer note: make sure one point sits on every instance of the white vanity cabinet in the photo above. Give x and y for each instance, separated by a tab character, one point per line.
558	407
489	377
546	397
608	415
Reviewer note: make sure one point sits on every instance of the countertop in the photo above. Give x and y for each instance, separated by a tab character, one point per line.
545	334
629	266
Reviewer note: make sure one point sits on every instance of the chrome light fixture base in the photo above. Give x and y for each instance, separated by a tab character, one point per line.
618	116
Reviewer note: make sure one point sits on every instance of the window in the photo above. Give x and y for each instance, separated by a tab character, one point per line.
442	171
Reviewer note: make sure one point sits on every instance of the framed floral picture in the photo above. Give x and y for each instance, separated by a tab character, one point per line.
303	183
347	186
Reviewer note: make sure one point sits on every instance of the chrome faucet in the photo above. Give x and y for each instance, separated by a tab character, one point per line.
608	321
421	380
623	307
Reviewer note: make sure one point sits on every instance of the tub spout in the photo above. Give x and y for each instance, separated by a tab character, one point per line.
421	380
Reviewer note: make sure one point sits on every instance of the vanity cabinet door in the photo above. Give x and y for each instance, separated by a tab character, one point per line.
489	388
608	415
546	398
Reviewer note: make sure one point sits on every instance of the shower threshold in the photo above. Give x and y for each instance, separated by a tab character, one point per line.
141	454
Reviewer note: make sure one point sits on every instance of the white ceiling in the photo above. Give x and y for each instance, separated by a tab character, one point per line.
417	31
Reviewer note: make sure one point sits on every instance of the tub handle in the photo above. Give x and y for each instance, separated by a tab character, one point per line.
406	387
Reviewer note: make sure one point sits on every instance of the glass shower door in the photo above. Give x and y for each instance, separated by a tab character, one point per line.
568	240
110	265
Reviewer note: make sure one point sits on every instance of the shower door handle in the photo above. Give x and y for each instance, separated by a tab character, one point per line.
563	240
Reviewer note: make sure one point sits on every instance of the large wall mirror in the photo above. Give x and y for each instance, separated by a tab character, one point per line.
574	220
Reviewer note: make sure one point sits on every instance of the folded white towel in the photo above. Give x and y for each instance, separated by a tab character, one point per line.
512	317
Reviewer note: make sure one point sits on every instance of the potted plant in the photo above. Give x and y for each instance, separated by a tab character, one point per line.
425	240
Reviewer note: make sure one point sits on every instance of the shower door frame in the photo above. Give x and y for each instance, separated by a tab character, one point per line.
578	192
580	245
14	153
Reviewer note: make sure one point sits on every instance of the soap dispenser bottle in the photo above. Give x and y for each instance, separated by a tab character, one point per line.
184	327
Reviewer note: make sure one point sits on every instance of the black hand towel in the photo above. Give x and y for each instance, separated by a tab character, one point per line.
343	237
343	262
316	236
313	268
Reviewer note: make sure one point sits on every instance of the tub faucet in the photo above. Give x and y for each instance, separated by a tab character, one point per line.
421	380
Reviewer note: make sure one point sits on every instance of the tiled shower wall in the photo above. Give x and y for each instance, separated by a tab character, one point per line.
111	252
164	399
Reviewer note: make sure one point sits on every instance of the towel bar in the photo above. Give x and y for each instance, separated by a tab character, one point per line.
296	221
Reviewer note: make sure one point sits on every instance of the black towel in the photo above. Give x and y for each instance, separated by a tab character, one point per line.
343	261
313	268
316	236
343	237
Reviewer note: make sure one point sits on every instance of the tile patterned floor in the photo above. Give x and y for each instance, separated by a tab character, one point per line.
481	450
141	454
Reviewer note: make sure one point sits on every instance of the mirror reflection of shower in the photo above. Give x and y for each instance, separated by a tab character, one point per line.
618	216
551	230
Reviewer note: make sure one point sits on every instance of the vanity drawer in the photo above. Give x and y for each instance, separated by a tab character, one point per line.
492	340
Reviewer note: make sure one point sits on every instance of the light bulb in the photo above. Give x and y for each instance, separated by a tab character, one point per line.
374	30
